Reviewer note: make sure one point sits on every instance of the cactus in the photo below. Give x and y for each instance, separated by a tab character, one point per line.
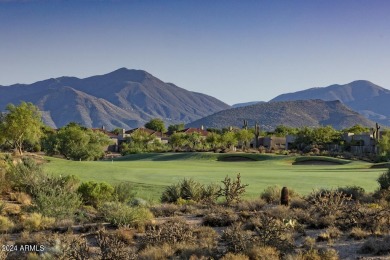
257	134
245	124
284	198
377	131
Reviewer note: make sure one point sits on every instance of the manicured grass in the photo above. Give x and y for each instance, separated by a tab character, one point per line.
150	173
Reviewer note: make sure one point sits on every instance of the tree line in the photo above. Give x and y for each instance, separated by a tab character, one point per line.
21	129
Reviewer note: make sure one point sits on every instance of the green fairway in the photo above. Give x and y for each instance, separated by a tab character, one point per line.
150	173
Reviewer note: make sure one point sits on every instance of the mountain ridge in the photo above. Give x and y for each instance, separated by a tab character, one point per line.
133	97
362	96
311	113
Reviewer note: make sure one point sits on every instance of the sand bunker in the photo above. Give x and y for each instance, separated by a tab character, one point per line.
315	162
235	159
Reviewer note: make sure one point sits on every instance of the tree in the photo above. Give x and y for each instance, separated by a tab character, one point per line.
357	129
282	131
384	144
175	128
178	140
244	136
20	124
213	139
194	139
228	139
78	143
156	124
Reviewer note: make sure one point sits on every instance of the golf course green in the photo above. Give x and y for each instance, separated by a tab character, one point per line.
150	173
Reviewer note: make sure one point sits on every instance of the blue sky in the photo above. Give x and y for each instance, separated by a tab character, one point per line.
237	51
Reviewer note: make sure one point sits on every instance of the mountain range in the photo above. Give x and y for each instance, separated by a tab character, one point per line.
362	96
129	98
123	98
311	113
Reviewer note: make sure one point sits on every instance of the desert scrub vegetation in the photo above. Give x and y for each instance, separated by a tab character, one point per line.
190	190
96	193
196	221
120	214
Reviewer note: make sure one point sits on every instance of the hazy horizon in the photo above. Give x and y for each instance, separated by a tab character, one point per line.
261	48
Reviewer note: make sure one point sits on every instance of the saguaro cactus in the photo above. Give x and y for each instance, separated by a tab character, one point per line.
245	124
377	131
284	198
257	134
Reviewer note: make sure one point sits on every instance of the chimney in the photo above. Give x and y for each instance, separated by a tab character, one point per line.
123	132
201	127
103	128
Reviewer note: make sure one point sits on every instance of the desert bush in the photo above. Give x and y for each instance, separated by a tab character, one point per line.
371	217
220	217
65	247
309	243
172	232
376	246
329	234
125	234
171	194
160	252
5	224
206	237
164	210
382	195
210	193
120	214
271	194
270	231
194	252
260	253
95	194
124	192
231	256
355	192
328	201
358	233
35	221
314	254
86	214
384	180
26	175
280	212
250	205
237	239
232	190
21	197
11	209
53	200
299	203
191	190
112	248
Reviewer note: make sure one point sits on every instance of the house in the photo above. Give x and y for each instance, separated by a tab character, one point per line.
156	134
273	142
191	130
361	143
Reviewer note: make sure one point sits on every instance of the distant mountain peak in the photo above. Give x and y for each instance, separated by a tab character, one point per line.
362	96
